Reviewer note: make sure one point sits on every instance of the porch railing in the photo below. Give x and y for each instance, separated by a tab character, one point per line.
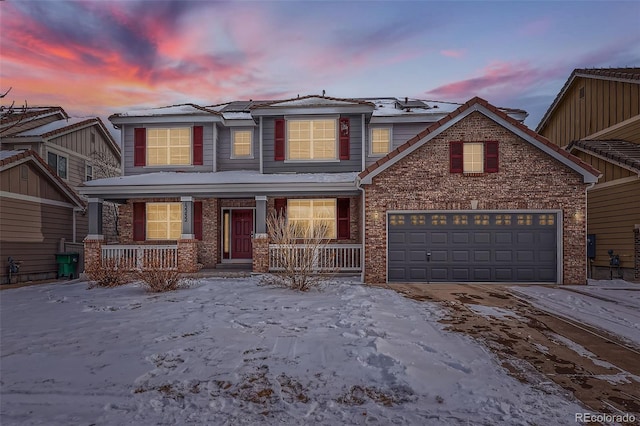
330	257
138	257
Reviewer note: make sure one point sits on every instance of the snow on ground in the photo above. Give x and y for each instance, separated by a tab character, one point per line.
228	352
610	305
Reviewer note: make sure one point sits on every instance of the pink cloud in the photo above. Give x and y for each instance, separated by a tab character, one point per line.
454	53
536	28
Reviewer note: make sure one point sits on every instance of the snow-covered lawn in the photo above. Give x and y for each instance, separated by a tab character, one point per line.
610	305
227	351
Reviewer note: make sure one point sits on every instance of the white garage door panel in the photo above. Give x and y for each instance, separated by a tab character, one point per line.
473	247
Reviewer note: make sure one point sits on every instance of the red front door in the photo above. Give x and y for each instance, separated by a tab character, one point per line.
241	230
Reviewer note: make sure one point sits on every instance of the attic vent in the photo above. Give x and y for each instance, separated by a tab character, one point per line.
582	93
24	172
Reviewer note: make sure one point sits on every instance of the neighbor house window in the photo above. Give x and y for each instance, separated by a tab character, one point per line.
380	141
313	216
242	144
88	172
312	140
58	163
164	221
473	157
168	147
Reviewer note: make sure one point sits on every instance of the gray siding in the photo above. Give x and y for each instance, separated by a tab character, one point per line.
400	133
225	162
127	150
354	164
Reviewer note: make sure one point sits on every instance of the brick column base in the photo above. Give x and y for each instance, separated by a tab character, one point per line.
93	251
260	253
188	255
636	239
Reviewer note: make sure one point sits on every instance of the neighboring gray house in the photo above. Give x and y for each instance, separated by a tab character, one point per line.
201	180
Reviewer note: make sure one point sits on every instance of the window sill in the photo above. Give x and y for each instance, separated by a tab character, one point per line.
311	161
242	158
185	166
478	174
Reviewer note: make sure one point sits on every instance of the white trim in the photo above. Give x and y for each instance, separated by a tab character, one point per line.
615	182
186	199
215	146
33	199
232	142
66	157
261	142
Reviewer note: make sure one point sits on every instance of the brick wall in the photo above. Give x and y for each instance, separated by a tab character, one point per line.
260	243
528	180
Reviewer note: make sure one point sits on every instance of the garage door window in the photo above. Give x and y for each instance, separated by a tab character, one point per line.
546	220
503	219
460	219
525	219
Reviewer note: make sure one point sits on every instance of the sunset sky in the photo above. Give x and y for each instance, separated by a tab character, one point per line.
101	57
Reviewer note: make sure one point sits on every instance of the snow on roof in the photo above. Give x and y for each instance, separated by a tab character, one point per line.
237	116
52	127
388	107
229	177
4	154
312	101
186	109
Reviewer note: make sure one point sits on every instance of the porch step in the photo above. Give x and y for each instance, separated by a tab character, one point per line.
234	266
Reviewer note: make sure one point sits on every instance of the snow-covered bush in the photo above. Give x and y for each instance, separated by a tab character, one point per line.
156	279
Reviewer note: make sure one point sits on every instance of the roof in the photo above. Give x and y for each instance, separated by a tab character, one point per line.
10	159
478	104
622	152
28	113
626	75
228	182
181	109
312	101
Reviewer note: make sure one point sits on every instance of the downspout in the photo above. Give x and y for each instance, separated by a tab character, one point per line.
586	228
260	146
363	227
215	147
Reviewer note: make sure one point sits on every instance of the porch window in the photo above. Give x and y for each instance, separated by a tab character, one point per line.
380	141
164	221
168	146
312	140
242	145
312	216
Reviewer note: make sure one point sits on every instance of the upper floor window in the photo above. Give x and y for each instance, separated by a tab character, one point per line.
164	221
88	172
177	146
58	163
168	146
242	144
473	157
312	140
380	141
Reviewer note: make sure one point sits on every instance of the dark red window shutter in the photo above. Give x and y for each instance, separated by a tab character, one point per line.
281	206
139	221
279	142
456	155
197	146
139	146
344	219
344	138
197	219
491	156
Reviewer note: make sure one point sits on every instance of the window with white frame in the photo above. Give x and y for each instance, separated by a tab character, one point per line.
312	139
311	217
380	141
88	172
58	163
168	147
242	144
164	221
473	157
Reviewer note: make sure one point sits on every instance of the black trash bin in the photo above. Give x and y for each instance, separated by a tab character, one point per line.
67	264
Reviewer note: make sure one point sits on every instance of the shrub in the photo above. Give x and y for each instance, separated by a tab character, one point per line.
299	257
158	280
109	273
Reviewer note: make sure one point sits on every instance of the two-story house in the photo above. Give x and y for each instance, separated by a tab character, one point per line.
73	150
596	116
411	190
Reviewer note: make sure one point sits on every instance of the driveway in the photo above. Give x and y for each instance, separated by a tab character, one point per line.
599	368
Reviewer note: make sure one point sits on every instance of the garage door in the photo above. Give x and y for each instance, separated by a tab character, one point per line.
472	247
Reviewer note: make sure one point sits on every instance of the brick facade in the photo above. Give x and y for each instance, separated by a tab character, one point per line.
188	255
92	252
260	244
528	179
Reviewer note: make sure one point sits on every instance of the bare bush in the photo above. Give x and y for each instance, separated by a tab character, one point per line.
300	257
108	273
156	279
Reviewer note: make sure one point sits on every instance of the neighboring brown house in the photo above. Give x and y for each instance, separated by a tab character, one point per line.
37	210
466	200
596	116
